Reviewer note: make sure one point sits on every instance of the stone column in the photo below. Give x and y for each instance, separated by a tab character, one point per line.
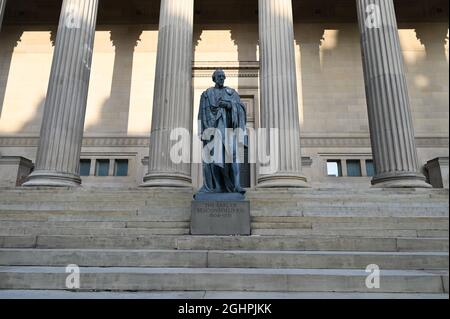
2	12
391	128
58	155
279	104
172	102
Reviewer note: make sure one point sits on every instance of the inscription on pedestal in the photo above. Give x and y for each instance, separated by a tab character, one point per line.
220	218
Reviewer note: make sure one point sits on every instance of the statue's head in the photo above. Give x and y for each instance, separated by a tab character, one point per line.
219	77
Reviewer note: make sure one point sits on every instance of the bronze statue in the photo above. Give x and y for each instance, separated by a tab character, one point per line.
221	111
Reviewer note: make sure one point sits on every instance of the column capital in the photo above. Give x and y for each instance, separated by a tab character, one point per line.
434	36
53	34
128	38
10	40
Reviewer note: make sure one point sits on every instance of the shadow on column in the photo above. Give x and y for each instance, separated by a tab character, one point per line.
245	37
344	79
431	80
309	38
34	124
9	39
435	67
196	168
114	112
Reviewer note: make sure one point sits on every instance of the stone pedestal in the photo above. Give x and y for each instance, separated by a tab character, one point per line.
14	170
438	172
220	215
59	149
279	100
172	102
391	127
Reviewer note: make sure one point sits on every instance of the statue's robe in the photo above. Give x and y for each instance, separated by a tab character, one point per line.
220	176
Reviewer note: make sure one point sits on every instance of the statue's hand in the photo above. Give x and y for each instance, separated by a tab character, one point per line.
225	105
214	110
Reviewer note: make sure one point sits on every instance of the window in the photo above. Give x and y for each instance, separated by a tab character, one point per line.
121	167
370	169
354	168
102	167
350	167
85	167
334	168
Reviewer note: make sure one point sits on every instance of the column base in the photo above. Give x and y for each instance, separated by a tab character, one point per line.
283	181
400	180
167	180
52	179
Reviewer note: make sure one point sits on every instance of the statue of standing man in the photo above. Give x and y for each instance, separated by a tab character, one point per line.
223	119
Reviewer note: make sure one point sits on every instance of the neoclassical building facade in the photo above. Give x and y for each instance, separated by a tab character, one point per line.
357	89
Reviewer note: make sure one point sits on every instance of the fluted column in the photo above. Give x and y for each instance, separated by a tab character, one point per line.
172	102
278	87
58	155
2	12
391	128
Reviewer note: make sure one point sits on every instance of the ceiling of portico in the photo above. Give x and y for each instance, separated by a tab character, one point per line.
220	11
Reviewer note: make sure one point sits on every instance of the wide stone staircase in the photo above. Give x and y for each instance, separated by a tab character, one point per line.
305	243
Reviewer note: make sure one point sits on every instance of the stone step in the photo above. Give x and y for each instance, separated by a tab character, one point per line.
269	198
318	224
81	205
167	215
381	210
51	224
397	233
223	259
94	197
138	197
337	227
94	224
346	211
186	295
347	199
148	192
297	192
224	279
257	202
335	202
263	193
281	243
314	243
368	219
183	229
44	214
272	201
136	194
172	215
41	231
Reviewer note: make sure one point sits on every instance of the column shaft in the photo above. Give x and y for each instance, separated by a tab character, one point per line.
2	12
390	120
279	103
172	102
58	155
